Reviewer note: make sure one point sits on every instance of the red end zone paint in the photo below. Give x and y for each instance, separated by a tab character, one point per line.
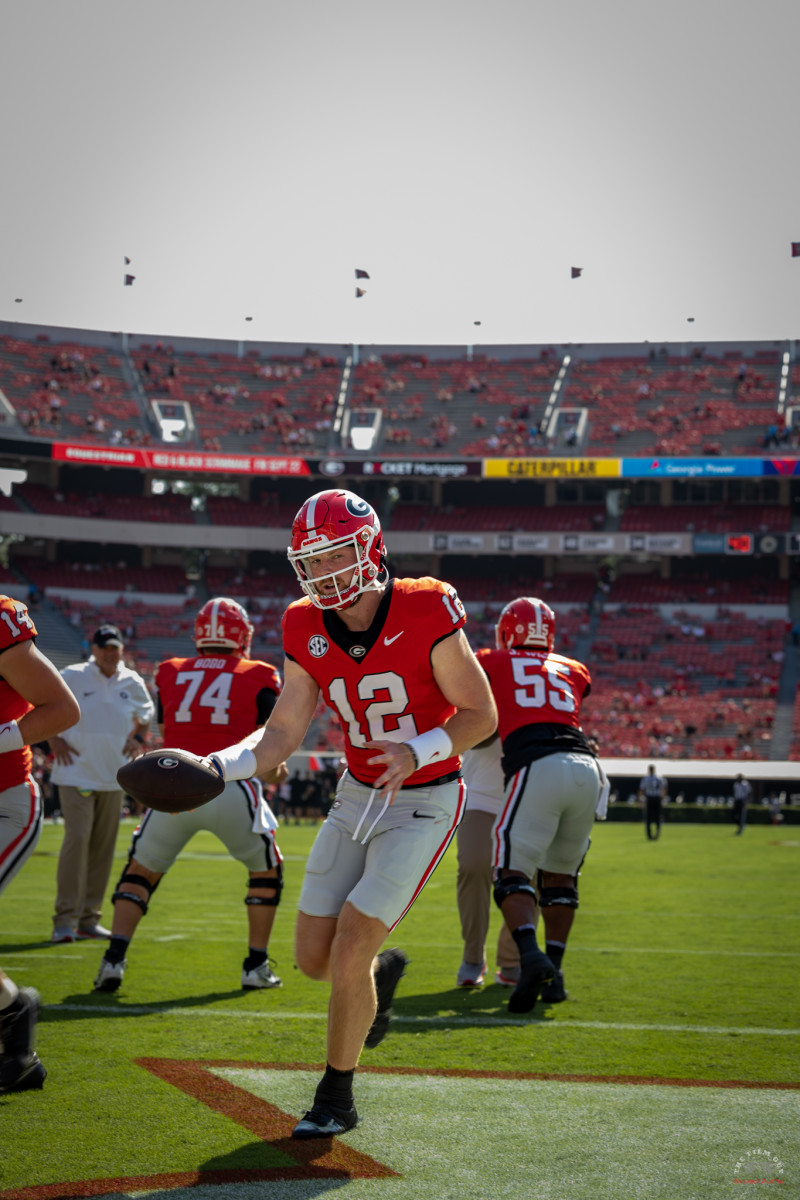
314	1159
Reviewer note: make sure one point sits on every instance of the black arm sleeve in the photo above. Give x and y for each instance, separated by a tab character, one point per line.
265	702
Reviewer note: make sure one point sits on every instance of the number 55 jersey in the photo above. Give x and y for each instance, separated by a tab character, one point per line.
539	696
379	681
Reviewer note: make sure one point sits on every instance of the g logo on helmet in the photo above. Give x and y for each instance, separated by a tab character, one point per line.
167	763
357	507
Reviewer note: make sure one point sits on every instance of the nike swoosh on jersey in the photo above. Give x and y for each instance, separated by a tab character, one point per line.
388	641
425	816
88	693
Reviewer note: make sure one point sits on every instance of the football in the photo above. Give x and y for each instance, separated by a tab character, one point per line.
171	781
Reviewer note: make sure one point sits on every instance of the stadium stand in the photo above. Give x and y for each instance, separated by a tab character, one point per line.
689	653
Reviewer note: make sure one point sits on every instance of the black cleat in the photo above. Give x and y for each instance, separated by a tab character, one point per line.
555	992
533	976
21	1074
18	1024
391	968
324	1120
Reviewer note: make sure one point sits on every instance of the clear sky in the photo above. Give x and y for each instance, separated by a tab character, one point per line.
247	155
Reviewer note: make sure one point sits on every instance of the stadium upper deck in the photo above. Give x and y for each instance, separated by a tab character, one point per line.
723	399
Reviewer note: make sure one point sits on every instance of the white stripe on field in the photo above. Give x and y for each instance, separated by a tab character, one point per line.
144	1010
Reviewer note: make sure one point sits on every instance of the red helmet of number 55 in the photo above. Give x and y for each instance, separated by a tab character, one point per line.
526	621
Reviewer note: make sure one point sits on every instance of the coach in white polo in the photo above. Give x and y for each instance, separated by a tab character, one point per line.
116	711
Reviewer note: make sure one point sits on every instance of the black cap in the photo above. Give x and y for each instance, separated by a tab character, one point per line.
108	635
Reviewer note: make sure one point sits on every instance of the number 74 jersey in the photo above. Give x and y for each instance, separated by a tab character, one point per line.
532	687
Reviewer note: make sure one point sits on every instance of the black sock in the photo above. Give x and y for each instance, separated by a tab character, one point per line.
116	949
335	1088
555	952
525	937
255	958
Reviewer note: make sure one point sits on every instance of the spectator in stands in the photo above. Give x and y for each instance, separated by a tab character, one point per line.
742	794
116	711
652	792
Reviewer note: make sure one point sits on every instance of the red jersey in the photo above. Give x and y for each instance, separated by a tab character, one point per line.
210	701
379	682
15	626
538	696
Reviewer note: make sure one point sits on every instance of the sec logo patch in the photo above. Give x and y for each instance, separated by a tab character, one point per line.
317	646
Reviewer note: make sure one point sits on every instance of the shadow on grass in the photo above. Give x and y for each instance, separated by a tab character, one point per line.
92	1003
20	947
461	1005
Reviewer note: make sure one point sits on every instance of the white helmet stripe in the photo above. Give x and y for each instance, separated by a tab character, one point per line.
311	520
213	622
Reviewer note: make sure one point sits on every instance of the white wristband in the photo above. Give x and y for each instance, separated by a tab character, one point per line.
237	762
10	737
433	746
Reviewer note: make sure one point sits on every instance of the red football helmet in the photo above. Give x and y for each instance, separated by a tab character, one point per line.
328	521
525	622
223	622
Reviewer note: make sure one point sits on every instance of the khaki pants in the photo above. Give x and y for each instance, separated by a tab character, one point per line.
91	824
474	889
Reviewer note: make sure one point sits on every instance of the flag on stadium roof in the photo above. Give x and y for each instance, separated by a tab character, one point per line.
795	249
129	280
575	272
361	274
360	292
127	261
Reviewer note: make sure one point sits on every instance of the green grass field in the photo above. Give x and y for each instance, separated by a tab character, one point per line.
682	970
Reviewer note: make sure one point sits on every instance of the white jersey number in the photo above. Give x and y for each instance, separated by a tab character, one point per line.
22	617
375	713
216	696
533	692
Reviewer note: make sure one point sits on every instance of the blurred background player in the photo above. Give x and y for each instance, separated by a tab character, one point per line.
116	711
742	795
483	775
652	790
390	658
554	786
203	702
35	704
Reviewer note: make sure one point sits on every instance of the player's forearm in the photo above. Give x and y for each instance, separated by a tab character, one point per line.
260	753
469	726
47	720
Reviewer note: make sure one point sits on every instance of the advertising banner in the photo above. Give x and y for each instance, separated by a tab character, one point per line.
691	468
550	468
397	468
147	458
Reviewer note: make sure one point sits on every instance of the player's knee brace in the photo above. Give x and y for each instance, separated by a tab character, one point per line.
276	885
510	887
550	896
121	894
